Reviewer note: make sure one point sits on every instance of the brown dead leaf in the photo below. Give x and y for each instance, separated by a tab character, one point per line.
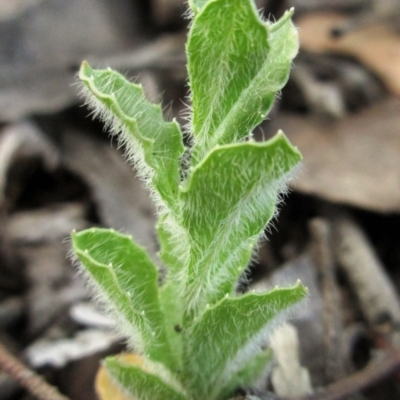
354	160
376	45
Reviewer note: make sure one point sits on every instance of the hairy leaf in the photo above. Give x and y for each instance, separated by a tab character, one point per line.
152	144
126	279
228	335
227	202
141	384
170	243
195	337
236	65
247	375
171	303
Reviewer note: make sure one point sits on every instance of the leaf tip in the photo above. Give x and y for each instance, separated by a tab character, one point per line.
280	135
85	70
300	284
283	20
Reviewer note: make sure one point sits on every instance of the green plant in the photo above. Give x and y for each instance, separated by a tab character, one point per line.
199	339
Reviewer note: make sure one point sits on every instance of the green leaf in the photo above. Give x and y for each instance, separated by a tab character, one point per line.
126	279
236	63
142	385
228	335
194	338
248	375
152	144
227	202
171	303
170	240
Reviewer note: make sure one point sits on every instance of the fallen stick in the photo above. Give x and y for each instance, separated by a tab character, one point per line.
320	230
27	378
375	290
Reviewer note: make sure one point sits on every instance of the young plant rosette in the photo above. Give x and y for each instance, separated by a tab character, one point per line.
194	336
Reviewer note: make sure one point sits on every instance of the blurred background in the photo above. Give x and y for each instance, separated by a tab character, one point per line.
339	228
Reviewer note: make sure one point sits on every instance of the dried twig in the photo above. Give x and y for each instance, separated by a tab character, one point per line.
28	378
375	290
334	365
